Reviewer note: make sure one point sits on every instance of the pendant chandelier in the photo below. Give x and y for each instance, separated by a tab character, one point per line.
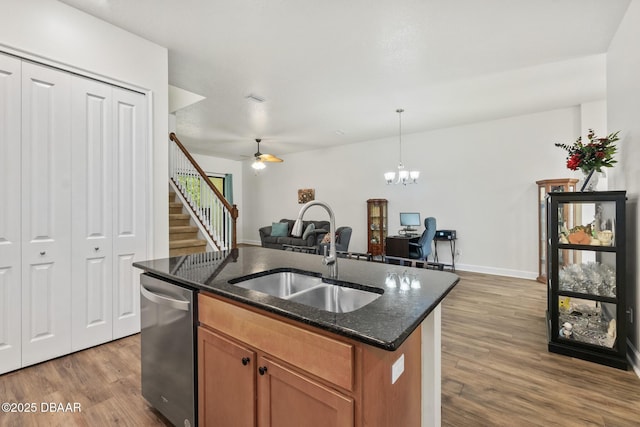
404	176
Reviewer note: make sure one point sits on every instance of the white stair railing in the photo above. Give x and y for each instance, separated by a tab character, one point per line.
206	204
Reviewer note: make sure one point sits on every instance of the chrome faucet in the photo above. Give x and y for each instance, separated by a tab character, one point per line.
332	260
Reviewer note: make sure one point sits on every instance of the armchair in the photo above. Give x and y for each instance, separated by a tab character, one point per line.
343	236
422	248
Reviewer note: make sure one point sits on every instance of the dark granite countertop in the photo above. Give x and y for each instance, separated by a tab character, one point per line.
384	323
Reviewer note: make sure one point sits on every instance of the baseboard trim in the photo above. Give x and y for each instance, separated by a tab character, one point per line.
497	271
251	242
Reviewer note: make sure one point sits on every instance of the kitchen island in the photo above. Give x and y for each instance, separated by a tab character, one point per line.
362	362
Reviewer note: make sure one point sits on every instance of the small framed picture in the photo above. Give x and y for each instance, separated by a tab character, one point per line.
306	195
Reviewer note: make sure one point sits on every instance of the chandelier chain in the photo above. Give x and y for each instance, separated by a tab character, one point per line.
400	111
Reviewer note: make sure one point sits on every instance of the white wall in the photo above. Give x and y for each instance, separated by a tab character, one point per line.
623	100
56	34
478	179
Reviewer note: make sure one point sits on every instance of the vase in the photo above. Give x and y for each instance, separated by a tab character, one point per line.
590	180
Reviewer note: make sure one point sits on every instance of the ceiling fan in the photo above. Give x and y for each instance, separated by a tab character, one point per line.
261	158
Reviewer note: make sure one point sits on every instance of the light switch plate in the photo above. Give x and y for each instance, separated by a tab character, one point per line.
397	369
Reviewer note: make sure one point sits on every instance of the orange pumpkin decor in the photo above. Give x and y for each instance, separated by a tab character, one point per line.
579	237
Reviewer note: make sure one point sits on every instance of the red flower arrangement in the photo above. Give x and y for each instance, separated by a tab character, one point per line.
596	154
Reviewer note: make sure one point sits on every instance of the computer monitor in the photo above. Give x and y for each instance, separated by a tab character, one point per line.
409	220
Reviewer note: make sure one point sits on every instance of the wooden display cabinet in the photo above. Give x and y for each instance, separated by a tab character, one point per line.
377	220
546	186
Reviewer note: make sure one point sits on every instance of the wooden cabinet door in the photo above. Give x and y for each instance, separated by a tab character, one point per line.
10	246
91	235
226	382
289	399
46	213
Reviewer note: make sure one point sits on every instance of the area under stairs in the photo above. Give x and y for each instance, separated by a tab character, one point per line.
183	237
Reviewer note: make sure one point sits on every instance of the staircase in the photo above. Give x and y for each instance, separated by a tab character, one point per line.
183	237
204	203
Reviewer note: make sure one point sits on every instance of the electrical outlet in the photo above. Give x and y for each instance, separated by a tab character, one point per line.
457	252
397	369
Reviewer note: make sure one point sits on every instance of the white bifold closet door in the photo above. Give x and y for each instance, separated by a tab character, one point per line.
10	236
129	200
46	213
92	218
109	141
72	211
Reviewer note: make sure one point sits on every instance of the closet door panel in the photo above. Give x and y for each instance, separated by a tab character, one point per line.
92	249
10	240
46	213
129	196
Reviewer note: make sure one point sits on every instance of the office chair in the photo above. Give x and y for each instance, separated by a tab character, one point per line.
422	248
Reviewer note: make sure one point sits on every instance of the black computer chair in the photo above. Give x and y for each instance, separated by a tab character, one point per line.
422	248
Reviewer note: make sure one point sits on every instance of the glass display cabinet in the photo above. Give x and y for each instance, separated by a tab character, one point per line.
546	186
376	226
586	314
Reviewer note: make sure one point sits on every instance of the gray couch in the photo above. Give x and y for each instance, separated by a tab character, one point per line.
269	241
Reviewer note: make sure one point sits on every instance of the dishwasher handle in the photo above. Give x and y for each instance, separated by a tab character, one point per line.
164	300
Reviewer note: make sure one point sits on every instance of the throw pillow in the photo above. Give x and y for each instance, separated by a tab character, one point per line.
279	229
326	238
308	231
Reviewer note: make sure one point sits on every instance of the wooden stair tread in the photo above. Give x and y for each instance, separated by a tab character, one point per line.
182	228
179	216
183	236
186	243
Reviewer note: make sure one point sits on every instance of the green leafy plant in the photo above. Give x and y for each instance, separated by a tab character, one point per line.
594	155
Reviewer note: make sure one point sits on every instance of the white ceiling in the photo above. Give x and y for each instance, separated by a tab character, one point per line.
346	65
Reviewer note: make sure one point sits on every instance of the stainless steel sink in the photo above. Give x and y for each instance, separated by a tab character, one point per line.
308	290
281	284
334	298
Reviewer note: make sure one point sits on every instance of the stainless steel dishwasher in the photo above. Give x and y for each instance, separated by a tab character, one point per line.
167	349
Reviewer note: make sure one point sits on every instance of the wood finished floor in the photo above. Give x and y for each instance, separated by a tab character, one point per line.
496	371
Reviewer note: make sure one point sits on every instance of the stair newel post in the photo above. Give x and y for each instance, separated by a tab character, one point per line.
234	217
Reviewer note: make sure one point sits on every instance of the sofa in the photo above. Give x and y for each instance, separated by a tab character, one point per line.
313	239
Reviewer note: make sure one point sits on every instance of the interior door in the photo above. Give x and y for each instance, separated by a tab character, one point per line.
129	196
10	255
92	249
46	213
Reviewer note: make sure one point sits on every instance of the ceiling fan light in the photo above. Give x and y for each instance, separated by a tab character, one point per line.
258	165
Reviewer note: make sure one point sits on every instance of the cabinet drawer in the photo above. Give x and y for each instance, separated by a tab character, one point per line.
319	355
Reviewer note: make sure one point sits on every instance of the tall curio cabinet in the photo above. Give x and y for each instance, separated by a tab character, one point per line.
376	226
546	186
586	283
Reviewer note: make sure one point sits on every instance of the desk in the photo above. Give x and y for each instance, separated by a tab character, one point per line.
398	246
452	246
